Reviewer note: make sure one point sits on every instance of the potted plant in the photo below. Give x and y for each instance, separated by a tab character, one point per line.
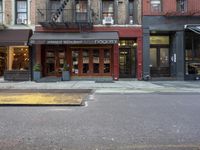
36	72
65	72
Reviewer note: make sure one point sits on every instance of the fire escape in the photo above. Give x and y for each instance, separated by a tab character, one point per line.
62	18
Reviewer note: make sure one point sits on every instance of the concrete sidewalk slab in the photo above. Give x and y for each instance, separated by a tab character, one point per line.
115	87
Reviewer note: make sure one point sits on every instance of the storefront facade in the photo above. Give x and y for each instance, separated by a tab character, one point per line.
100	53
170	42
192	52
15	55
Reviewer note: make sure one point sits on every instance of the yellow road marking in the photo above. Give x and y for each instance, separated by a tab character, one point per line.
40	98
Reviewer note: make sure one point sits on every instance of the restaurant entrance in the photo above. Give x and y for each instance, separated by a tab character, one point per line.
54	60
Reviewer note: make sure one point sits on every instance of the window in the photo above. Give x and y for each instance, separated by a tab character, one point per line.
156	5
1	12
96	61
21	12
107	61
81	10
18	58
108	8
86	61
54	5
192	54
131	11
181	5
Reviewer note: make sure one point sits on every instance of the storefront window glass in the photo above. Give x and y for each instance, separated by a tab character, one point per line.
18	59
3	60
106	61
96	61
85	61
192	54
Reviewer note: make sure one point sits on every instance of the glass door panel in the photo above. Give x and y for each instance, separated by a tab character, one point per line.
106	60
153	57
75	62
50	63
96	61
86	59
61	61
164	57
159	62
125	62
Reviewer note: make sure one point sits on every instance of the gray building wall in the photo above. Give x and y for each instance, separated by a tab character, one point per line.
175	27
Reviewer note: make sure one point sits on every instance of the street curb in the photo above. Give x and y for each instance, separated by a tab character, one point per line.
87	91
46	90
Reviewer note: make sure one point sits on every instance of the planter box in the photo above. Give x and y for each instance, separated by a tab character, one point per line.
65	75
16	75
36	75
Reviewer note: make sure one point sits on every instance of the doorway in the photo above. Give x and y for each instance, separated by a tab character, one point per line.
54	61
159	61
127	63
3	59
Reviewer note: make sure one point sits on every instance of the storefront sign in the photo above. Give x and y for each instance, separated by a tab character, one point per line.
106	41
60	42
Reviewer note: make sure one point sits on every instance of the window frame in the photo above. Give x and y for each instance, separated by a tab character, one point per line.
18	12
178	6
160	8
131	2
102	9
1	11
81	10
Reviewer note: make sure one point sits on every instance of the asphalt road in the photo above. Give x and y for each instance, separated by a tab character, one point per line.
107	122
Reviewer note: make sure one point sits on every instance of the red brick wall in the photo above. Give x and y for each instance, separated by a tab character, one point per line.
170	6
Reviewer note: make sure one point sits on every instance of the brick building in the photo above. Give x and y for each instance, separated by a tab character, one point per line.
171	39
16	24
97	39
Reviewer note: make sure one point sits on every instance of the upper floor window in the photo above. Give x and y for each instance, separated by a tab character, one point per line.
156	5
21	12
81	10
108	11
131	11
1	6
1	12
108	8
181	5
53	6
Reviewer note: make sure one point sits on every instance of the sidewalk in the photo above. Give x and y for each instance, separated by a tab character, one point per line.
115	87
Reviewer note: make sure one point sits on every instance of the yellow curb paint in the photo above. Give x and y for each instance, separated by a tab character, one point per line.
40	98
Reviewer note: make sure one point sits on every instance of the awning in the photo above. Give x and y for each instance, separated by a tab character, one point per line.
75	38
14	37
194	28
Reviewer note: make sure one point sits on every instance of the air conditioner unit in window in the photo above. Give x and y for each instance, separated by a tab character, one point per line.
21	21
108	20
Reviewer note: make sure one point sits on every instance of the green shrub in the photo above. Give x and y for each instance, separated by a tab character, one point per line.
37	67
66	67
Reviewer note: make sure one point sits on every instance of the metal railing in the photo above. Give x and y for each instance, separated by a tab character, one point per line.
65	16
